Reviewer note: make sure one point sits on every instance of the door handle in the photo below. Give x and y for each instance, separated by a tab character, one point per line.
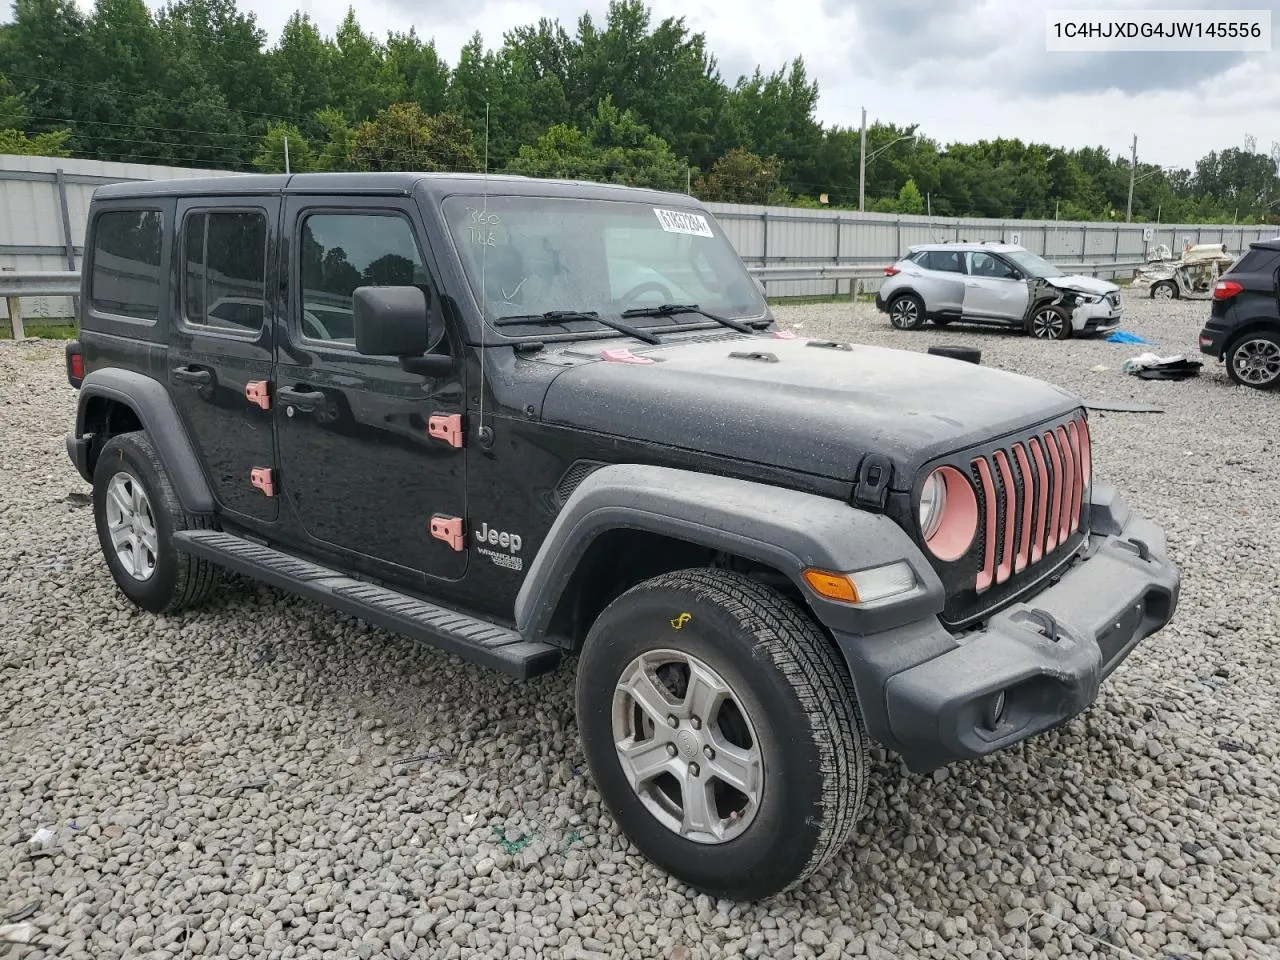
193	376
973	284
301	398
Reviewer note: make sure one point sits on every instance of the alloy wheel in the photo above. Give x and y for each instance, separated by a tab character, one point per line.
132	526
1257	362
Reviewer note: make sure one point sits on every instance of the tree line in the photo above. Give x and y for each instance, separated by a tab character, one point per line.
628	100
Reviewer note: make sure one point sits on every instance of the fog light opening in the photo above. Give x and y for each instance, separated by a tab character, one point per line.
995	711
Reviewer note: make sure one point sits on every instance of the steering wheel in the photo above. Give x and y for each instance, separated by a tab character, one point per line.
640	289
313	327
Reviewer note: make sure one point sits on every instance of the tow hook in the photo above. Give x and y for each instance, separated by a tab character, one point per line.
1042	620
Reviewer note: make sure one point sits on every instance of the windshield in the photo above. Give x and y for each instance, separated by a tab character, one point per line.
1034	266
526	256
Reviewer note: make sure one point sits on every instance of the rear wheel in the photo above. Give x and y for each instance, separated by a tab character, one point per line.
136	512
1164	290
1050	322
906	311
720	726
1254	360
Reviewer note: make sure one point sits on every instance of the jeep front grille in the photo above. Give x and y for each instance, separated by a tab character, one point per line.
1030	499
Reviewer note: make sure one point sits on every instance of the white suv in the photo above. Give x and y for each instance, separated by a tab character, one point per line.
995	283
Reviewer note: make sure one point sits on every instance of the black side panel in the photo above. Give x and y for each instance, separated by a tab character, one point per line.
787	529
150	401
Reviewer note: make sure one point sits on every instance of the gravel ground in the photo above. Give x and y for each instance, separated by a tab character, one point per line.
226	784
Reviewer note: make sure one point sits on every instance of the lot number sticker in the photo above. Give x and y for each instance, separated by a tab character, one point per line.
674	221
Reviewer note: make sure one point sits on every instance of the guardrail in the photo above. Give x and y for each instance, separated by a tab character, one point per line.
46	283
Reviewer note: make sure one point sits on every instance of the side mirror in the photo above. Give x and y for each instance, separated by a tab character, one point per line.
391	321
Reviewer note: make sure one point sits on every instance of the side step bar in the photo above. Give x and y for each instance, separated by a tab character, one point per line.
470	638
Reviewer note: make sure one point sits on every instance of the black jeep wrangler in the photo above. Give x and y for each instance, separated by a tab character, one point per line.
525	419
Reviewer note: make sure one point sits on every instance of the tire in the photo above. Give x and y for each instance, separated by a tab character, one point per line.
1164	290
967	354
1050	322
154	575
787	701
1253	360
906	311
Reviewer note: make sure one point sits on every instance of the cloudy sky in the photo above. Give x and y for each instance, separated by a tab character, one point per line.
962	69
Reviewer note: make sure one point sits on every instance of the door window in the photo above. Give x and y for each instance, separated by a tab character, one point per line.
339	252
224	260
126	263
986	265
945	261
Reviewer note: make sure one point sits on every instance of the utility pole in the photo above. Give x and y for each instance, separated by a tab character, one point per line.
286	154
1133	171
862	164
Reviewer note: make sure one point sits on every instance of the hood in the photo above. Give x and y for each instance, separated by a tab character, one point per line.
1085	284
813	409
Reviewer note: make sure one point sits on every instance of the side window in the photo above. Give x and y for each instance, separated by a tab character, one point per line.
945	261
341	251
920	258
126	263
224	262
985	265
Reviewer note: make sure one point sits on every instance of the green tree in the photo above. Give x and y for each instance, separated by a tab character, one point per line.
282	137
403	137
616	148
742	177
40	145
910	199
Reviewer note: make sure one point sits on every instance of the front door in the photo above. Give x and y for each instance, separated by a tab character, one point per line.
220	345
368	459
993	290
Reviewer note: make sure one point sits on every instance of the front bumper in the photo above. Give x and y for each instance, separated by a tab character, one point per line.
1101	317
934	697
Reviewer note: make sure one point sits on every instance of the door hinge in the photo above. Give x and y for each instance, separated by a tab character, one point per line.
872	487
257	391
448	529
446	427
264	478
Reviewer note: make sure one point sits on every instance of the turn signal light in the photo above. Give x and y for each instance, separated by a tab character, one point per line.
833	586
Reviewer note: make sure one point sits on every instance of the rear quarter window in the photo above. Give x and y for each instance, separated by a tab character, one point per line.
1257	261
125	280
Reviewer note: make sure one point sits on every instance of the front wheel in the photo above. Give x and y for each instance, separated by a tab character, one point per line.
1254	360
1164	290
1050	322
720	726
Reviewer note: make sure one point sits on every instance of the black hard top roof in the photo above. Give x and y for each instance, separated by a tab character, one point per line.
437	184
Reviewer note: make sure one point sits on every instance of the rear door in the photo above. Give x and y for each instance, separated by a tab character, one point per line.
993	289
221	343
359	467
944	289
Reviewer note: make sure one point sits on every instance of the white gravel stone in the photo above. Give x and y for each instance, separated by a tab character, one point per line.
225	784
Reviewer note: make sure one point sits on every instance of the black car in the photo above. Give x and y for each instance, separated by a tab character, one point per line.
1244	322
526	419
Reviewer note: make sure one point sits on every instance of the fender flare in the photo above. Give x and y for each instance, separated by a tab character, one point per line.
788	530
150	400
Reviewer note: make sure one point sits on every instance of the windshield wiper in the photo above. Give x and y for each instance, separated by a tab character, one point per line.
564	316
670	309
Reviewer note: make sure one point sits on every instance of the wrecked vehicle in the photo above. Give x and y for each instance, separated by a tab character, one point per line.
1193	277
999	284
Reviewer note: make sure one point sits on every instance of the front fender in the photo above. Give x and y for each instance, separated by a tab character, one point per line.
786	529
150	400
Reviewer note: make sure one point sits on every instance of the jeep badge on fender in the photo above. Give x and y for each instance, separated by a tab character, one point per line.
759	551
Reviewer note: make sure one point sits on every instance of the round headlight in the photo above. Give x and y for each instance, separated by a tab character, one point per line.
933	501
948	513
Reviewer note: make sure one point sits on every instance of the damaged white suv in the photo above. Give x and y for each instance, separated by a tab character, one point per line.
998	284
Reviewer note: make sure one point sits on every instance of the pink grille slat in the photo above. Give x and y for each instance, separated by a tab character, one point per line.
1042	498
1004	569
1028	502
1055	492
1086	452
1073	434
987	574
1068	484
